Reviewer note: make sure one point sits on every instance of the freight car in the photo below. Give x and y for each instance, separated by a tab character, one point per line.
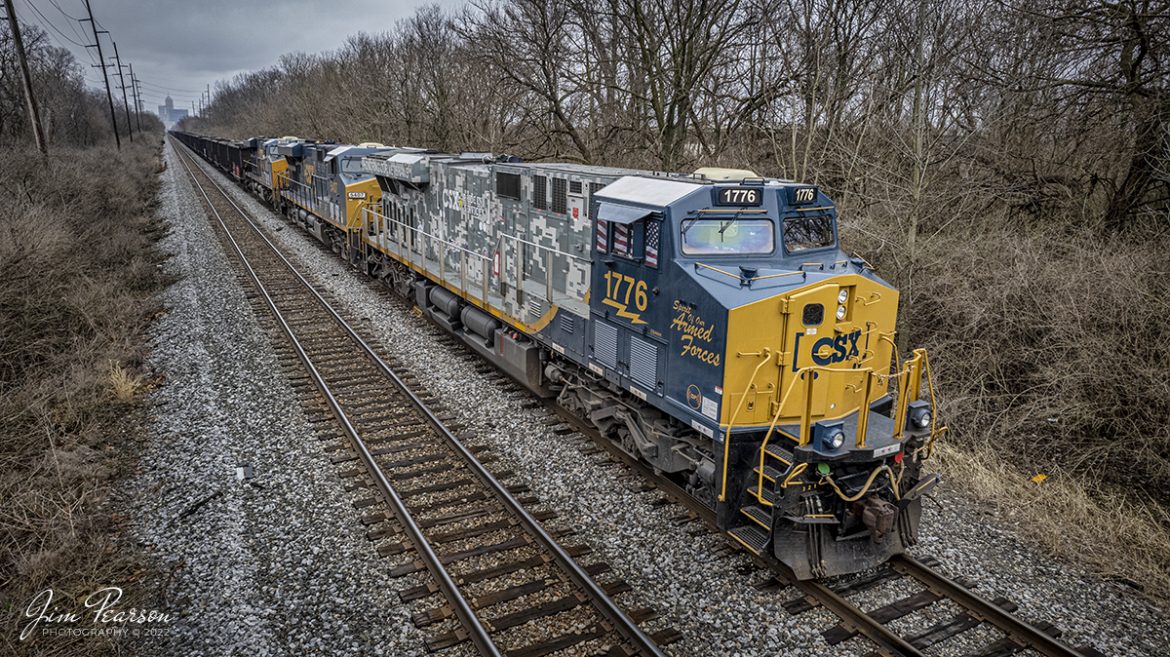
709	323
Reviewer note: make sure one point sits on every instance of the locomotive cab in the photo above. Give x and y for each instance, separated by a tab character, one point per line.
730	304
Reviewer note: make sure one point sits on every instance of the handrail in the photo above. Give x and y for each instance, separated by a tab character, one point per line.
766	356
720	271
776	418
418	231
909	387
743	280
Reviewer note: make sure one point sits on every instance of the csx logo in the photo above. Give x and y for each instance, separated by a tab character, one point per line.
830	350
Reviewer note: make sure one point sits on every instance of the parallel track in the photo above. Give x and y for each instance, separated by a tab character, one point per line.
448	508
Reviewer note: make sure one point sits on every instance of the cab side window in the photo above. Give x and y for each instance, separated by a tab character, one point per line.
623	240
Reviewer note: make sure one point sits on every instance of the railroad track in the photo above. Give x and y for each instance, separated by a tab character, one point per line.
1012	635
508	586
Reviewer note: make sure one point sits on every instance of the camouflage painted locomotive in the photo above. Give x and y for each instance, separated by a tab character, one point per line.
708	323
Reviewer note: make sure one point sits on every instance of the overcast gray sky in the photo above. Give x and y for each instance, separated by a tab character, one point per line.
180	46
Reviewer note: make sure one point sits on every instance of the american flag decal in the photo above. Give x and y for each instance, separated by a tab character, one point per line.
621	239
602	242
652	233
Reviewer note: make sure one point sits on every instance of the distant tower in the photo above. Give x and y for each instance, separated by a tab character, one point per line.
169	114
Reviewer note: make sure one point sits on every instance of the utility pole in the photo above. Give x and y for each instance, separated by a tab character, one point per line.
125	103
33	114
209	95
97	43
193	109
137	98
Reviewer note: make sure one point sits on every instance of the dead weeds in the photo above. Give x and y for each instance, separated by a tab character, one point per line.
79	272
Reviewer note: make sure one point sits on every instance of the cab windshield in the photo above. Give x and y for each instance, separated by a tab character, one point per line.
351	165
807	232
729	236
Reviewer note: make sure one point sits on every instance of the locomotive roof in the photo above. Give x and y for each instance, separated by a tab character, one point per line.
581	169
649	190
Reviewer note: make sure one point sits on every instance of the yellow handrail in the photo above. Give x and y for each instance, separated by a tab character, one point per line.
766	356
768	436
909	388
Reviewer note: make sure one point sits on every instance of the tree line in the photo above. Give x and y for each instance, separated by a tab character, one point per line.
72	113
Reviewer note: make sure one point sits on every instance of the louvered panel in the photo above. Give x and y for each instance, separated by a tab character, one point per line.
568	323
644	362
605	343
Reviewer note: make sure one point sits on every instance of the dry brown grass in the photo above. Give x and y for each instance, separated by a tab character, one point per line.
78	278
1048	340
1070	517
124	384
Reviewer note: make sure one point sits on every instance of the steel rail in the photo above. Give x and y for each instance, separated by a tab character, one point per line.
887	641
478	634
604	604
1023	633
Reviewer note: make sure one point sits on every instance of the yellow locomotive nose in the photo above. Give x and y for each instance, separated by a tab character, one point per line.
842	327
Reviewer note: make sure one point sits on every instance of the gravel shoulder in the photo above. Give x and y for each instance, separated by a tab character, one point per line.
253	543
273	565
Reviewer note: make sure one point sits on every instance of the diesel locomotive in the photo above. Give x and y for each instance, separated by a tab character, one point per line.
709	323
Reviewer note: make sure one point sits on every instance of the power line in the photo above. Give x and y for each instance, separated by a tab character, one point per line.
97	43
72	20
182	91
53	26
66	15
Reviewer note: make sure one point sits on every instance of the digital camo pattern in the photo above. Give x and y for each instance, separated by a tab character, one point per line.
503	227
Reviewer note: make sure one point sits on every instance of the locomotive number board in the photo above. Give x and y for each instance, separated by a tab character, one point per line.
802	195
739	196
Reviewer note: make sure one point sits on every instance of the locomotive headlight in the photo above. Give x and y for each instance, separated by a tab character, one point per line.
829	435
919	416
842	296
841	312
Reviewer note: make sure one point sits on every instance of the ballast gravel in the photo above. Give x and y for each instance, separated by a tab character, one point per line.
275	564
694	584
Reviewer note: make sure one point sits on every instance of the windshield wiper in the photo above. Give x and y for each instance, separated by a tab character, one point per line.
727	224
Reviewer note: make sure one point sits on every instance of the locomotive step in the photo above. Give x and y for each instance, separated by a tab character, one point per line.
770	473
774	452
751	537
759	516
768	495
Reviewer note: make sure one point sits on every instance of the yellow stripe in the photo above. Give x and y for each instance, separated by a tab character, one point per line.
481	304
754	519
741	542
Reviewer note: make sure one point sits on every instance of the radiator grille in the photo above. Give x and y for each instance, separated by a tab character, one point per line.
644	362
560	197
605	343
